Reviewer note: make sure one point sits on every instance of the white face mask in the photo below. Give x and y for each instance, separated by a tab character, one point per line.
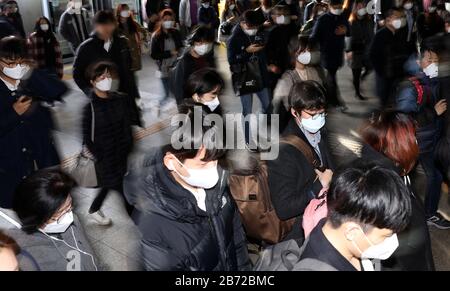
44	27
205	5
104	85
16	73
408	6
125	14
283	19
199	178
203	49
336	11
213	104
397	23
304	58
232	6
313	124
447	6
381	251
168	24
432	70
361	12
59	227
250	32
432	9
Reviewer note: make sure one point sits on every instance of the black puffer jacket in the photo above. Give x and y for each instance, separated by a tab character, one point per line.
113	139
414	251
176	233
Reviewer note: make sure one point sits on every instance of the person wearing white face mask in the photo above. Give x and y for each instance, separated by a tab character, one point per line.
166	45
204	86
107	136
185	206
430	23
292	177
198	56
26	136
421	97
307	67
329	34
48	228
357	45
45	49
364	216
75	24
134	32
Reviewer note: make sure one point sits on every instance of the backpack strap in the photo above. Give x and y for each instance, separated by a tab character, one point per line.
302	147
419	89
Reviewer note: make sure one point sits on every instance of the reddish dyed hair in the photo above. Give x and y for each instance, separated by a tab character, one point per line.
394	135
162	14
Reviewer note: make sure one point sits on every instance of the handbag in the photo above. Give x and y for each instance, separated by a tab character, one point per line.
249	79
84	172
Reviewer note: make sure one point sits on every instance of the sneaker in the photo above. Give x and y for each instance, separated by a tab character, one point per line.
438	221
100	218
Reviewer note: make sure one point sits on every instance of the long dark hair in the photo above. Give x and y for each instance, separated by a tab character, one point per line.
132	24
49	33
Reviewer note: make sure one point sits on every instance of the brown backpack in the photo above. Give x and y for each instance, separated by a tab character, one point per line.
252	195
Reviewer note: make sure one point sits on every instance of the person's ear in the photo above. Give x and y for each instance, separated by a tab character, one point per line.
92	83
294	113
352	231
196	97
169	161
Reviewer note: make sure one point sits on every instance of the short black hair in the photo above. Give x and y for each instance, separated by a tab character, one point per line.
281	9
209	136
390	12
105	17
369	195
201	34
97	69
203	81
251	18
40	196
13	47
309	95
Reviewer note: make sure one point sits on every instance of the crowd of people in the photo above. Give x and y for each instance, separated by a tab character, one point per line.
197	207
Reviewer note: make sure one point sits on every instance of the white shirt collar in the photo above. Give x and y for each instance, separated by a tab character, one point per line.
200	197
10	86
107	45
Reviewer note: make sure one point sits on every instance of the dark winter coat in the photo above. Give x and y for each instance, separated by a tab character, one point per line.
158	52
238	56
361	34
292	179
26	140
113	139
92	51
429	25
414	251
388	53
176	234
185	66
331	45
277	54
428	122
6	28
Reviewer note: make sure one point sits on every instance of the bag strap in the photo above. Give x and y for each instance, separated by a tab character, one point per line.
302	147
419	89
92	123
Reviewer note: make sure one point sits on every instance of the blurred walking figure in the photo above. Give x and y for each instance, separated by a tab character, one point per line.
75	24
44	48
11	11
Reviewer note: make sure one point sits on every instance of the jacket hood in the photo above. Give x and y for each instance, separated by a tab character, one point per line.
171	200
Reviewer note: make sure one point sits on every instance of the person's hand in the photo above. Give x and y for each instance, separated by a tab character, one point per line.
22	105
349	55
274	69
267	23
325	177
254	48
440	107
341	30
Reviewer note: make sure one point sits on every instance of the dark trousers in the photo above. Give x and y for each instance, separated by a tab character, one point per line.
101	196
333	89
433	184
385	88
357	80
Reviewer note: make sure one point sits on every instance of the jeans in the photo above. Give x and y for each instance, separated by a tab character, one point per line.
433	184
247	106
